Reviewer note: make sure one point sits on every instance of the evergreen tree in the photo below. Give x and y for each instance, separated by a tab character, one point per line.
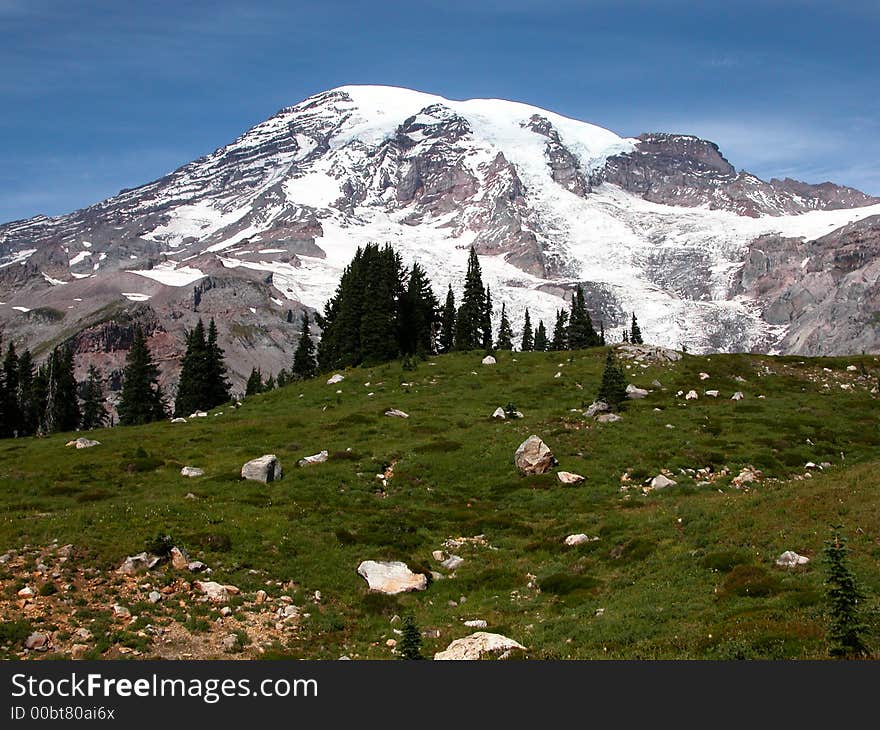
540	337
383	291
269	384
29	407
505	333
613	388
602	334
447	323
581	333
470	320
283	378
254	383
528	341
38	399
11	423
560	331
418	316
62	405
94	412
193	383
141	400
843	595
486	340
304	364
411	640
218	387
626	336
635	335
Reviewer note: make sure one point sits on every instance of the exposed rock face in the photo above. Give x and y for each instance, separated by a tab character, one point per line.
826	292
391	577
480	645
534	456
678	169
263	469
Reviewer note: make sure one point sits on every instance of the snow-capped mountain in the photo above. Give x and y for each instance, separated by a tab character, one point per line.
661	225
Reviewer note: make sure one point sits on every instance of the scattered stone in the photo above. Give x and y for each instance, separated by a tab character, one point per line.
647	353
318	458
608	418
335	379
578	539
477	623
26	592
558	375
121	611
37	642
178	420
634	393
534	456
748	475
656	384
661	481
198	414
391	577
452	562
225	611
567	477
391	643
479	645
691	395
154	597
737	396
264	469
704	376
197	566
261	596
137	563
596	407
790	559
83	443
488	360
395	413
499	413
229	642
851	368
438	555
78	651
712	393
179	558
216	592
192	471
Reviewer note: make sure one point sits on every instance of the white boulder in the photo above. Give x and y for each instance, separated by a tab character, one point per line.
633	392
479	645
335	379
192	471
534	456
790	559
391	577
395	413
488	360
318	458
661	481
568	477
264	469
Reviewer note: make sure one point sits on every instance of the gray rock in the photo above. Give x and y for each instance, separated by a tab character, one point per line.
478	646
395	413
318	458
264	469
790	559
499	413
178	420
534	456
661	481
737	396
83	443
229	643
192	471
608	418
138	563
634	393
567	477
477	623
596	407
37	642
154	597
391	577
335	379
488	360
452	562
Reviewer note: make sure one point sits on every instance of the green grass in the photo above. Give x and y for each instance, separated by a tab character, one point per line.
683	573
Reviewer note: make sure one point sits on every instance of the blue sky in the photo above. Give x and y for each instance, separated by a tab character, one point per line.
103	95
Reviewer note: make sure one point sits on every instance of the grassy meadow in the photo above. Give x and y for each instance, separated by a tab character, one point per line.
684	573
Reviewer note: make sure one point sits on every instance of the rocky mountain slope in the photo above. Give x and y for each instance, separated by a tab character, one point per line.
260	229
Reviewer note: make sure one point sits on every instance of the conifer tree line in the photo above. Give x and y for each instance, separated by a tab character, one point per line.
46	399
